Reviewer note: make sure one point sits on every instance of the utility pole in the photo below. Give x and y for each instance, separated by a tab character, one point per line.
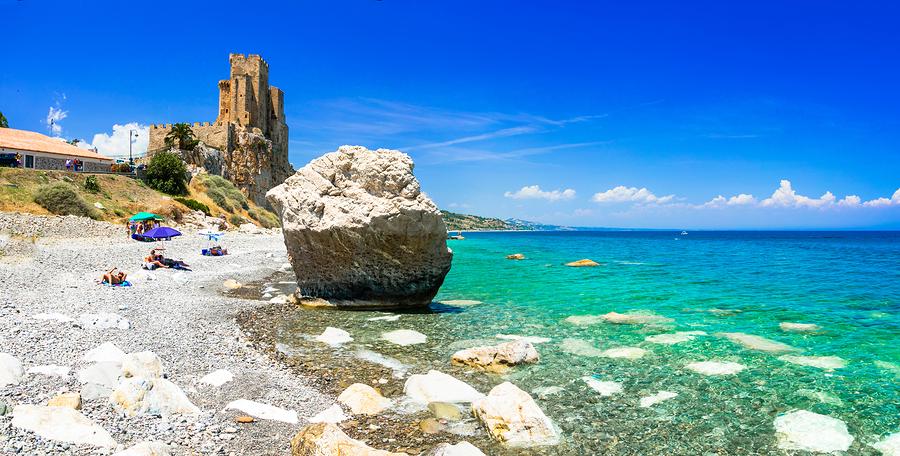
130	158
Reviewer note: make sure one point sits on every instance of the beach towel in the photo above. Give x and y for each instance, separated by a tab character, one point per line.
123	284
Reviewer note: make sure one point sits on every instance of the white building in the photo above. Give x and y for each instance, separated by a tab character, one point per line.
38	151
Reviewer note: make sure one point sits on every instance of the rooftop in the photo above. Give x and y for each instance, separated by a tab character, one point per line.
23	140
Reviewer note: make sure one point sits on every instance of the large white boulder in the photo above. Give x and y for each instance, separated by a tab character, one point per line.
105	352
141	364
497	358
105	374
460	449
439	387
326	439
808	431
62	424
512	417
360	232
151	396
150	448
363	399
11	371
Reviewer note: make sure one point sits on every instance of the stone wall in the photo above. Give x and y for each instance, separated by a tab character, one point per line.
43	162
218	136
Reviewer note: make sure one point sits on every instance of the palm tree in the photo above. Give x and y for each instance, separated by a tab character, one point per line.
181	134
74	142
3	122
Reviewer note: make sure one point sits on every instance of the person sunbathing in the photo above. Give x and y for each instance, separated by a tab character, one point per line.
153	261
114	278
218	251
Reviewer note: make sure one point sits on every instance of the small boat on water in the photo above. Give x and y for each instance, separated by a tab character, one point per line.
684	233
458	236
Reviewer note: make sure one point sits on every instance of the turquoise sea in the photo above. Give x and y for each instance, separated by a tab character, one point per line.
706	283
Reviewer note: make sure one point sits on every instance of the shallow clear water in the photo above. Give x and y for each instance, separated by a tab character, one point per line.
715	282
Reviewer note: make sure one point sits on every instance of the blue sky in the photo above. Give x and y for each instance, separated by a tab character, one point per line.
577	113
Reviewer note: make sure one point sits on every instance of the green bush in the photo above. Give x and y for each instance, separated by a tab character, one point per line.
167	173
62	199
193	204
224	193
91	184
236	220
265	218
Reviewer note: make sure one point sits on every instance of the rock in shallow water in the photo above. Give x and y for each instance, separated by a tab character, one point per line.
760	343
439	387
334	336
808	431
604	388
404	337
363	399
889	446
821	362
716	367
497	358
360	232
799	327
512	417
650	401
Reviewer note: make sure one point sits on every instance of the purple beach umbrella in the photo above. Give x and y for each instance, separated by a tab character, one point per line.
162	232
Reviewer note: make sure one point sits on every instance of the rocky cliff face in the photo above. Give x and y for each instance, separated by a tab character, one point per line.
254	166
360	232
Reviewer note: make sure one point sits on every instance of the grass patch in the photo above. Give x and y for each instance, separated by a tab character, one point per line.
61	199
91	184
193	204
265	218
236	220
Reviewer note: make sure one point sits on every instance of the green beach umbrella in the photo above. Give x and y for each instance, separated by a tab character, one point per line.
144	216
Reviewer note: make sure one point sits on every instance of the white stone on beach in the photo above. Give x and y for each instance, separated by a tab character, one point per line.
605	388
461	302
143	364
716	367
53	316
334	336
50	370
333	414
363	399
799	327
821	362
147	449
280	299
105	374
497	358
11	371
62	424
532	339
264	411
104	320
512	417
649	401
385	318
808	431
460	449
437	386
889	446
674	338
391	363
624	352
105	352
151	396
754	342
217	377
404	337
580	347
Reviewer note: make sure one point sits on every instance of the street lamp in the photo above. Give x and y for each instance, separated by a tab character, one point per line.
130	142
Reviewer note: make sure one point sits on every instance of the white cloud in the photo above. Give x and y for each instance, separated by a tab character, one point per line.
116	144
54	116
623	194
741	200
785	196
850	201
896	197
535	192
878	202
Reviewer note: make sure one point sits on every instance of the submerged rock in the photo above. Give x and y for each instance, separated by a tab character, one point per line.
326	439
512	417
585	263
11	371
334	336
650	401
532	339
437	386
62	424
808	431
889	446
821	362
461	302
360	232
674	338
405	337
634	318
716	367
799	327
363	399
497	358
460	449
757	342
605	388
624	352
580	347
515	256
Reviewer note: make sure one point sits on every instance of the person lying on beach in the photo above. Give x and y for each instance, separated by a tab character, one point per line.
154	261
114	278
217	251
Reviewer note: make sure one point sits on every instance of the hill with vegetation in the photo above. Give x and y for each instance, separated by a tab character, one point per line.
466	222
114	198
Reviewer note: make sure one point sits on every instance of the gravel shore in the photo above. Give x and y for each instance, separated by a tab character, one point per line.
50	264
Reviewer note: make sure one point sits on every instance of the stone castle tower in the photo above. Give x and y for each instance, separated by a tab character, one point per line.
250	131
